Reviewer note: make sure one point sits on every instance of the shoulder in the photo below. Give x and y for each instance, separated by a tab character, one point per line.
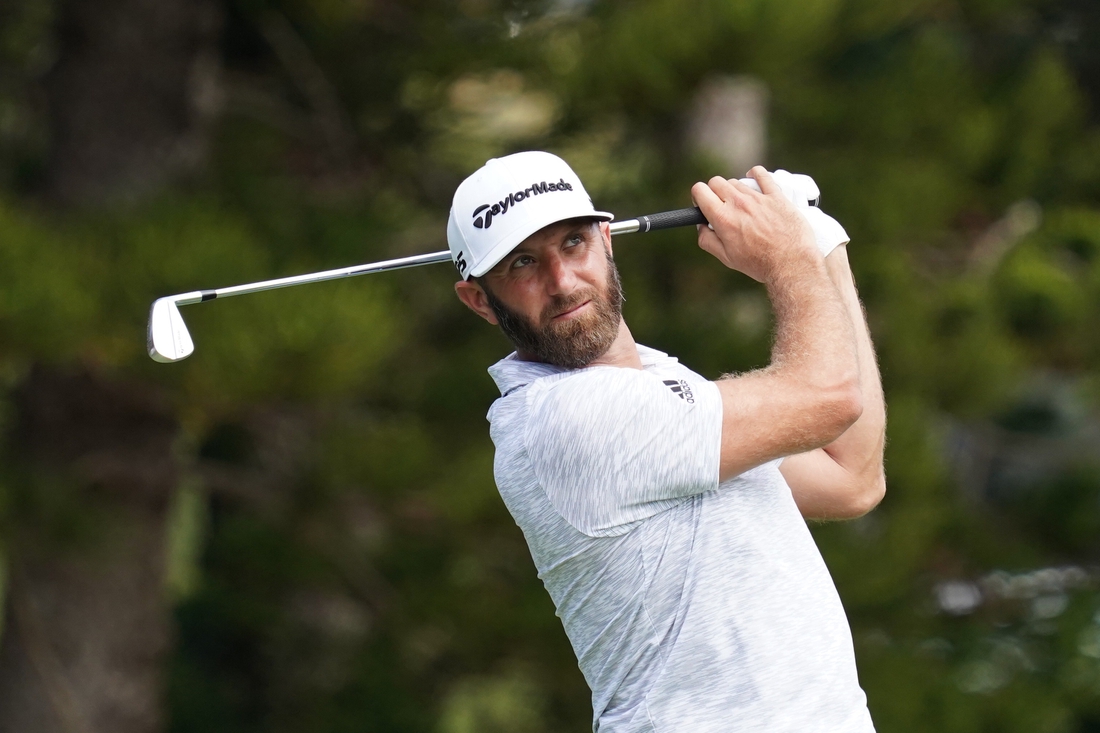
596	394
608	408
611	446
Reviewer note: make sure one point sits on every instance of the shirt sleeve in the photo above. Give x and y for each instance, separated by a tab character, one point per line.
613	446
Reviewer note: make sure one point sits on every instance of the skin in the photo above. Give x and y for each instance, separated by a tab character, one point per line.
557	261
818	404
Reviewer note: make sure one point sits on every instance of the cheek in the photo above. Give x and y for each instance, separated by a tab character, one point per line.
597	268
522	296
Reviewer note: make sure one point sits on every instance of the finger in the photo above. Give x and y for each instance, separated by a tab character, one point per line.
741	187
729	189
709	241
702	193
707	200
765	180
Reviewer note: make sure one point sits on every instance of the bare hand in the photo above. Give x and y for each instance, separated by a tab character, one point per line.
754	233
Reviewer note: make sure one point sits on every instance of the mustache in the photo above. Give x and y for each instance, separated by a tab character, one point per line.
562	303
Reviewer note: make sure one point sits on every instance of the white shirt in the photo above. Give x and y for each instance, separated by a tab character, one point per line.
692	606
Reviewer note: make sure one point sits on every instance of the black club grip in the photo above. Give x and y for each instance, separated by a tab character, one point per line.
671	219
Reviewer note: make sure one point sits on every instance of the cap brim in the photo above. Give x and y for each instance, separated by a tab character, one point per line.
514	238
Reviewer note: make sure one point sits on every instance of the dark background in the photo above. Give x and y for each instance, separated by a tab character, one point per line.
297	529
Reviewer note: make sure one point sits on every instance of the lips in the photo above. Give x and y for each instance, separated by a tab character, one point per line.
570	312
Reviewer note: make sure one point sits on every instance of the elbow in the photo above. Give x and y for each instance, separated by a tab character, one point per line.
858	499
868	496
840	406
850	404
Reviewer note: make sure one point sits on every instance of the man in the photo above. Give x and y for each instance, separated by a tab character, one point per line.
666	513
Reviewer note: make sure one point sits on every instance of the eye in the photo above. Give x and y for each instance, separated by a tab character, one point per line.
521	261
574	239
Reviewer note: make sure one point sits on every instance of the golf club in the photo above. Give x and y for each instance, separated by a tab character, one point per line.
168	339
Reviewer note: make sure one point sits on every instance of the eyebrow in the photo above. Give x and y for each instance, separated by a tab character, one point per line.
521	249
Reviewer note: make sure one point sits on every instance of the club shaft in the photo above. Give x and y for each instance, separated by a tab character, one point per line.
652	222
316	277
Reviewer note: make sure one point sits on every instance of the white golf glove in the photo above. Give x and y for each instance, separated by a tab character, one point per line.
800	190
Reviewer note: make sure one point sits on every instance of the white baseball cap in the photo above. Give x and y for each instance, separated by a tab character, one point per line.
507	200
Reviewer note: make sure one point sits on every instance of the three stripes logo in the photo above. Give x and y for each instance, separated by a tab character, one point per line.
681	388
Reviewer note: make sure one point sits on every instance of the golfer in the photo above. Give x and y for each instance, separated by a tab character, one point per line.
666	513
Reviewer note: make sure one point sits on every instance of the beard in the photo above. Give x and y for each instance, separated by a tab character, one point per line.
576	342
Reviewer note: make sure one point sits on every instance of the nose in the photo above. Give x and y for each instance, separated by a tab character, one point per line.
558	274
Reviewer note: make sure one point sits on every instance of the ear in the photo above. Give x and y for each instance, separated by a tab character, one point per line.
605	230
474	298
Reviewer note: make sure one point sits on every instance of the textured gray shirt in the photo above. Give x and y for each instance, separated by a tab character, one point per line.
692	605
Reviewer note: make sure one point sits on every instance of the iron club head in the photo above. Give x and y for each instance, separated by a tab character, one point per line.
168	338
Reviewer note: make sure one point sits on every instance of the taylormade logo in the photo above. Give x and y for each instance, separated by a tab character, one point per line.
485	220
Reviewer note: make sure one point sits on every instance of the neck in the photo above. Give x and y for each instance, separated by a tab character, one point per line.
622	353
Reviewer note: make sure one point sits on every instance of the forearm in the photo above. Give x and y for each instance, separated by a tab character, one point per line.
859	450
814	339
810	392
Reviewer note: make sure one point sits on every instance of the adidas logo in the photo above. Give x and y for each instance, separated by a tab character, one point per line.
681	388
484	220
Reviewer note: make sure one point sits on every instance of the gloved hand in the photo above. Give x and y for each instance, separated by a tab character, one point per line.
801	190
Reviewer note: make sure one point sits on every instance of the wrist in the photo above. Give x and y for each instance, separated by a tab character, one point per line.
827	231
798	267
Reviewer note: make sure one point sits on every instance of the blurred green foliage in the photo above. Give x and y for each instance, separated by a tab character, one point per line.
374	581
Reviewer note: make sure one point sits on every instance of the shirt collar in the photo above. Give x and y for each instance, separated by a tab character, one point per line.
511	373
